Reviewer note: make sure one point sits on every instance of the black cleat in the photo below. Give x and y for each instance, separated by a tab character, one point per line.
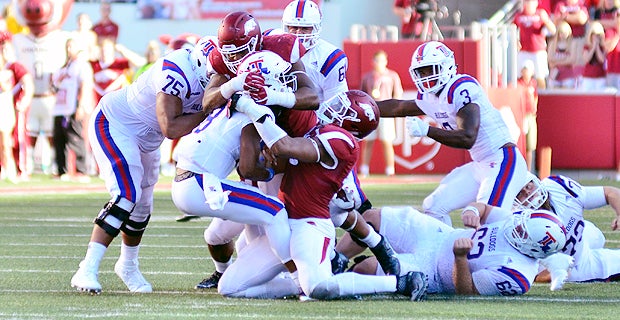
414	284
340	262
210	282
186	217
386	257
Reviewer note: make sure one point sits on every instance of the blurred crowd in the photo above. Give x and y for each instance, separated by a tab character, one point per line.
51	81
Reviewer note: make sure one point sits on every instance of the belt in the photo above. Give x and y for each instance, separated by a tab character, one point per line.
184	175
42	95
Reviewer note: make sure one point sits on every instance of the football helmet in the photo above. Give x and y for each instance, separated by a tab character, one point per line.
536	233
438	56
273	68
303	13
532	196
353	110
238	35
198	58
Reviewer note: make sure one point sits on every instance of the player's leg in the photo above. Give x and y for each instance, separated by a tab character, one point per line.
122	172
219	237
254	274
501	176
456	190
132	230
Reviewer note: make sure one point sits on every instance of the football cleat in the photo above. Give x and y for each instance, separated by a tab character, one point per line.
132	277
386	257
559	266
86	279
210	282
413	284
340	262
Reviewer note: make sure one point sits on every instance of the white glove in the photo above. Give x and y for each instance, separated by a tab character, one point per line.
252	109
416	127
233	85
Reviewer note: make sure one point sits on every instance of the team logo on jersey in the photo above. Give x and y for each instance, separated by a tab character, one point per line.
547	241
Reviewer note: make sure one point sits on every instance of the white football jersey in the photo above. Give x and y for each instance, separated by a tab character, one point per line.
568	200
326	65
172	74
463	89
214	145
42	56
426	244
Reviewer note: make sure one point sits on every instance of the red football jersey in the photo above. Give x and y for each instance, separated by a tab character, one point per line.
307	188
109	78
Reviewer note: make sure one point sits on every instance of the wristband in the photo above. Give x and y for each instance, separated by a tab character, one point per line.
271	174
282	99
472	209
227	89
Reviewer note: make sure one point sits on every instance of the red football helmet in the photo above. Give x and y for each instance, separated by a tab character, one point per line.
238	35
353	110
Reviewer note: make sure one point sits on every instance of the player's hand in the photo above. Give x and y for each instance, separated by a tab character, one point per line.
462	246
416	126
254	81
261	94
347	198
615	224
254	111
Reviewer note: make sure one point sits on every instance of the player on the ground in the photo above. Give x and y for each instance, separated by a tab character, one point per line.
583	259
498	257
127	128
466	119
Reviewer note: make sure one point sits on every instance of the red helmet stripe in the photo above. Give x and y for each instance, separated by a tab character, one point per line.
299	13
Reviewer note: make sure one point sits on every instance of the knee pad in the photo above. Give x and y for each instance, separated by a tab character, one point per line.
219	234
134	228
114	215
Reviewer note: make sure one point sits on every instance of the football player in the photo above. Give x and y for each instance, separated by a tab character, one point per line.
583	259
316	165
467	120
499	257
126	130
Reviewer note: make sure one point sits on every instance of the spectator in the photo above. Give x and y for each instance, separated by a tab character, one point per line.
381	84
411	23
109	71
106	28
7	123
23	88
74	103
85	38
531	22
576	15
607	14
562	56
594	54
529	101
140	63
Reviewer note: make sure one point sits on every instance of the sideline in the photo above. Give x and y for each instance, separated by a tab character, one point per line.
163	185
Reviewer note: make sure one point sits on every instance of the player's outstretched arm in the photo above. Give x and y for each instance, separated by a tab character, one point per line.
393	108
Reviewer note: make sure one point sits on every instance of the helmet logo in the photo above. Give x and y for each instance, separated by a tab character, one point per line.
368	111
258	65
208	47
546	242
250	25
444	50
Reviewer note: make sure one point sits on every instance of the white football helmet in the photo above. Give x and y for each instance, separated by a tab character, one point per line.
438	56
537	234
274	69
303	13
532	196
198	58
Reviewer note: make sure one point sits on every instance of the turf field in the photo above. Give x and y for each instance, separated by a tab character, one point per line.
44	237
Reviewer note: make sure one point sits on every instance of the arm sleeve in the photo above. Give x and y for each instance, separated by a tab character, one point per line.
594	197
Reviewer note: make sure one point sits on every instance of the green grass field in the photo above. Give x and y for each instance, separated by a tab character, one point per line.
44	237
